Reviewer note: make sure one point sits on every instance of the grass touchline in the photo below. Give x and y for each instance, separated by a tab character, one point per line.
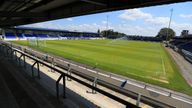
144	61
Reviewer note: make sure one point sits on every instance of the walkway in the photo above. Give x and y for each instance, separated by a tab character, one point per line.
184	65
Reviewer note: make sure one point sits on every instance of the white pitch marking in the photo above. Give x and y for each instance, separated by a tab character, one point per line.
136	84
103	74
158	91
92	71
118	79
182	99
163	66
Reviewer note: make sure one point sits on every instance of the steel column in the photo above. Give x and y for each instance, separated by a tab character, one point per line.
138	99
32	68
38	70
24	61
57	85
20	59
64	87
68	72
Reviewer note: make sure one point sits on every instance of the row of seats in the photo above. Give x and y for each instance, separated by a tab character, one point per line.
20	35
176	43
84	36
143	38
184	47
180	44
10	35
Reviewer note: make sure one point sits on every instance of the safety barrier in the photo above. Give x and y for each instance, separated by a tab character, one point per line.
66	65
187	55
10	51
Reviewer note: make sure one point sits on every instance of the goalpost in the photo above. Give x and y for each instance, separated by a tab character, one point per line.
37	42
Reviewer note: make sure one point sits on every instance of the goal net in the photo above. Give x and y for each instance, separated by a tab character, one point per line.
37	42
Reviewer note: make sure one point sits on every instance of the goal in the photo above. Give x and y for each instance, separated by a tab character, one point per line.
37	42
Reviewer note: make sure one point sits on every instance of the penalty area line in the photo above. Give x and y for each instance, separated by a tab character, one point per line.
163	66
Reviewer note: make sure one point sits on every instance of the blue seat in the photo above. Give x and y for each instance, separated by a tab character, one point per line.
20	35
10	35
28	35
42	36
53	36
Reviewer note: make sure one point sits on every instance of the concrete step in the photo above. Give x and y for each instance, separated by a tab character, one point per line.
23	94
7	100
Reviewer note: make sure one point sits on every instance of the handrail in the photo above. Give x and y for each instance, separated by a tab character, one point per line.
126	92
128	104
116	88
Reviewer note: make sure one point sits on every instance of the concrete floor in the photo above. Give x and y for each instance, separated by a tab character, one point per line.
184	65
7	100
77	96
16	91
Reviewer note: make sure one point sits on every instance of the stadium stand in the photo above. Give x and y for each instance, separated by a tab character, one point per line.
187	46
17	12
182	45
20	36
47	34
186	50
10	36
42	36
29	35
53	36
14	93
144	38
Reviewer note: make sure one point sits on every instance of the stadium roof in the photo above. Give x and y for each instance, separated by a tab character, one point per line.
39	29
45	29
18	12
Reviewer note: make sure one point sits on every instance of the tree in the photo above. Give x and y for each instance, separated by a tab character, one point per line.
166	33
98	31
112	34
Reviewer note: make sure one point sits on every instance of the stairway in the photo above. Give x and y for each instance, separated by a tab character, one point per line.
18	94
7	100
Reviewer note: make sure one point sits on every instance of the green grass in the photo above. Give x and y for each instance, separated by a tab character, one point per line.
144	61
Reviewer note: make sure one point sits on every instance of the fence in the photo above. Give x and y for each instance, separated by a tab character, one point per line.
187	55
10	51
75	69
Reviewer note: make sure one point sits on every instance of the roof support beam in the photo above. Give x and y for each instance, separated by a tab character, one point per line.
100	3
42	2
10	22
76	8
23	14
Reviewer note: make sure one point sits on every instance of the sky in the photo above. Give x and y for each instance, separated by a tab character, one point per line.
139	21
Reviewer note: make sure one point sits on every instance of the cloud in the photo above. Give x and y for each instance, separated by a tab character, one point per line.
48	25
178	27
104	22
150	26
185	16
134	14
152	23
92	27
136	30
69	19
149	29
160	21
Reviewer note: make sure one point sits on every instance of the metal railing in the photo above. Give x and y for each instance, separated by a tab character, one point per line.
65	65
10	51
187	55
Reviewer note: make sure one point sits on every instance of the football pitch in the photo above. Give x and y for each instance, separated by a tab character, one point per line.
144	61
